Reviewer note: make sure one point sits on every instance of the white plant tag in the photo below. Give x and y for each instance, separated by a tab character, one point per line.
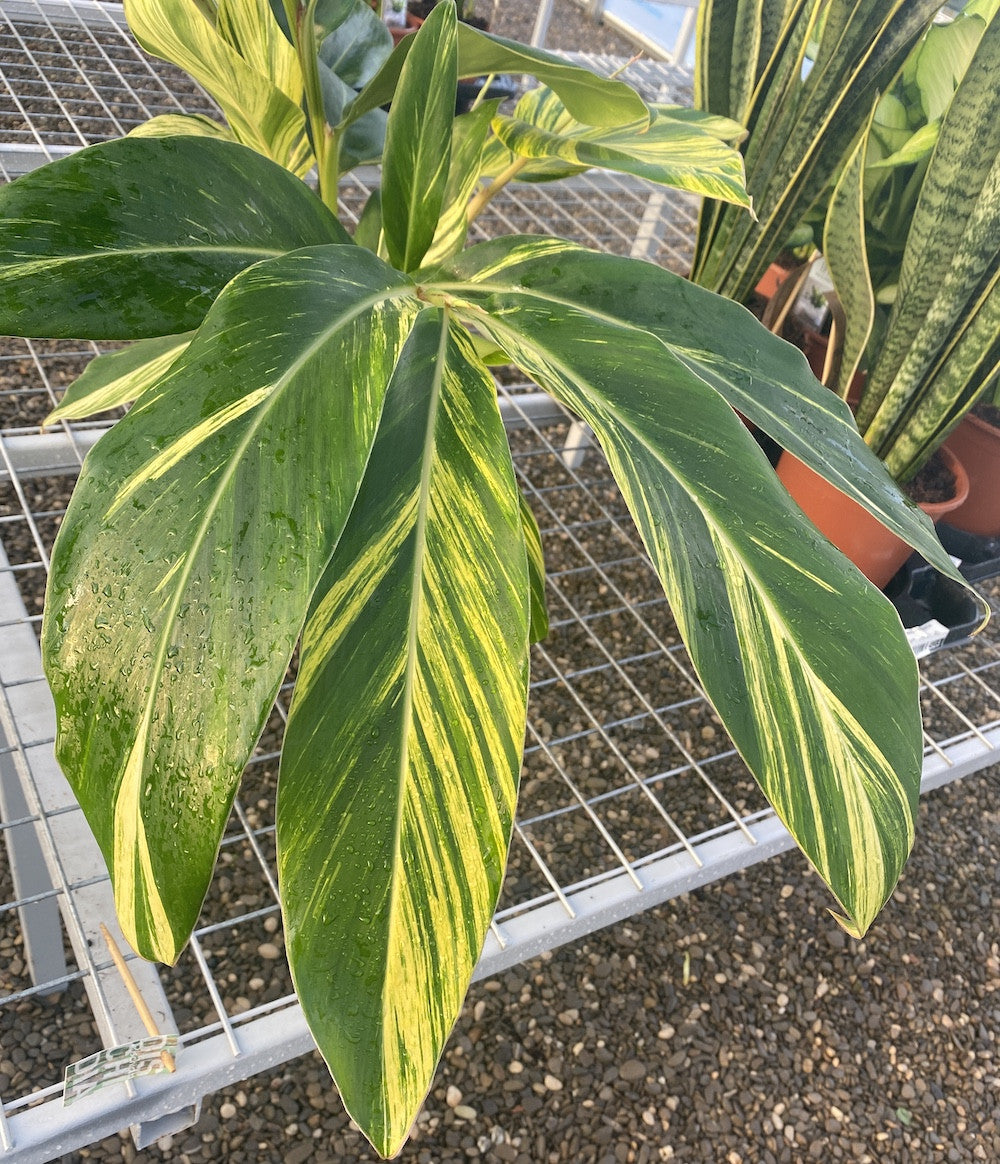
115	1064
927	637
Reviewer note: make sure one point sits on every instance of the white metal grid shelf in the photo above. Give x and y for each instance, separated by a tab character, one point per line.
631	793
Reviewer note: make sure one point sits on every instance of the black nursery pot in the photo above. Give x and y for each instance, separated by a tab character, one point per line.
468	91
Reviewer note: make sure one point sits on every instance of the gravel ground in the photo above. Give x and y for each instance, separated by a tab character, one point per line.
735	1024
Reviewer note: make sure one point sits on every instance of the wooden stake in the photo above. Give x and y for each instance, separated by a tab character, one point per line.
140	1003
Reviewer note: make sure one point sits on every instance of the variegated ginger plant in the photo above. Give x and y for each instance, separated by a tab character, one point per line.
315	457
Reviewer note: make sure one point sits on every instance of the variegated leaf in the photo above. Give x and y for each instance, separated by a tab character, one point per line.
418	140
223	490
92	246
401	757
260	112
827	720
847	259
672	151
468	139
181	124
590	98
119	377
764	378
539	628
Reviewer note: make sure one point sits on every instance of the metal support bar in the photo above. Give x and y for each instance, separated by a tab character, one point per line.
72	857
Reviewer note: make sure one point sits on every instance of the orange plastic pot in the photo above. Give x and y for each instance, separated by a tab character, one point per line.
771	280
977	445
877	552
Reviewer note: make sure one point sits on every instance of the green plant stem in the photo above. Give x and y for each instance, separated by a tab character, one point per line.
301	18
488	193
482	91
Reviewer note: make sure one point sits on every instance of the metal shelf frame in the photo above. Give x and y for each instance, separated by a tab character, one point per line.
630	794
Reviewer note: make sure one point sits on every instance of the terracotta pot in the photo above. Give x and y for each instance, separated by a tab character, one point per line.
815	347
977	445
771	280
877	552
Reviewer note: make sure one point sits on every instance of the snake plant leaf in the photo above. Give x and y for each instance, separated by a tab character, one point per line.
418	140
802	123
539	627
672	152
847	260
952	244
135	238
262	110
402	753
590	98
183	570
118	378
826	718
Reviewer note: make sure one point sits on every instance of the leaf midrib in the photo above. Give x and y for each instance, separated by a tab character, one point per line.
102	256
211	507
412	637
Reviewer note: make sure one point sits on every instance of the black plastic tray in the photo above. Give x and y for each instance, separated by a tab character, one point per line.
936	611
978	558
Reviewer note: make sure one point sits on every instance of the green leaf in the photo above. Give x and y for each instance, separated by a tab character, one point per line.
355	43
592	99
940	62
418	140
826	718
403	748
847	260
468	138
223	490
952	246
136	237
181	124
368	232
119	377
539	627
363	141
673	152
262	109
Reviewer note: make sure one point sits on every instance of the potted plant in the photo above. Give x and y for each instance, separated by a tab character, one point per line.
802	77
936	347
795	135
315	461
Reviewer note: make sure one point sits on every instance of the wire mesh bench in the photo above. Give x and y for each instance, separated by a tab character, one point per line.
631	792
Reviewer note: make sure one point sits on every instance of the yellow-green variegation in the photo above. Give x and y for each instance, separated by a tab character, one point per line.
401	759
683	149
315	458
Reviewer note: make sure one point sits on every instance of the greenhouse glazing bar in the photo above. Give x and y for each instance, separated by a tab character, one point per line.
631	794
